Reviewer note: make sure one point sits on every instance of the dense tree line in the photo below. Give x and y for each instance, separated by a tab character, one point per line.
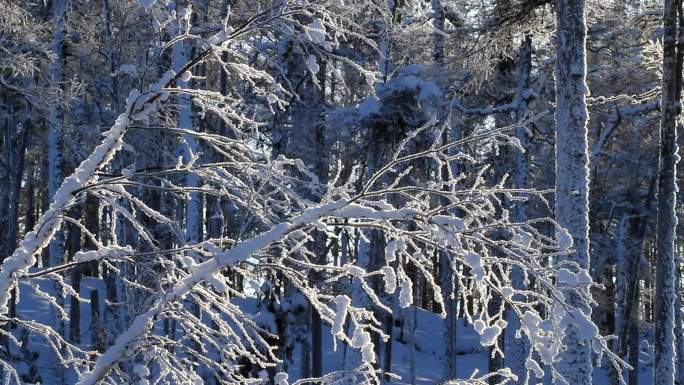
210	191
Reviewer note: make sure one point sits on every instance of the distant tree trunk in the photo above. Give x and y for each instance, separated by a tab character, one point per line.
29	190
572	161
305	360
635	252
385	65
496	362
43	206
76	275
449	286
97	332
389	328
317	342
679	330
55	151
633	340
448	283
194	209
181	53
438	21
320	160
30	221
445	267
108	36
516	349
16	141
664	368
412	321
621	279
55	120
358	298
4	187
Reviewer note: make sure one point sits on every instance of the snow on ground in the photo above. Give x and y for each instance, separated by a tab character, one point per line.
429	345
430	352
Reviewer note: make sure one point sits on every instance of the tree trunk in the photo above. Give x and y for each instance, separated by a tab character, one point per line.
516	349
193	212
55	151
679	331
664	368
75	308
572	161
29	190
97	332
633	339
317	342
55	134
16	142
358	297
620	297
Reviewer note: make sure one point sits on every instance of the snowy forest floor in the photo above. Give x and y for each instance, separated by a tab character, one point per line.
428	355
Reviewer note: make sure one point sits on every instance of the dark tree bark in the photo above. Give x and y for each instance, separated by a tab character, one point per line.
664	368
